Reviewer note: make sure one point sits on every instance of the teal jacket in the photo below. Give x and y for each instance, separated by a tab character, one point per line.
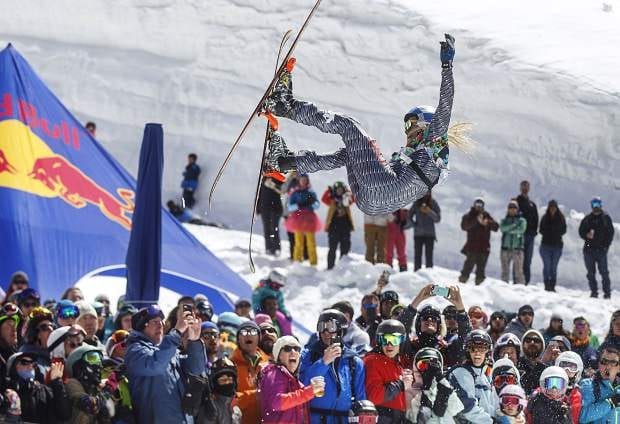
513	228
598	409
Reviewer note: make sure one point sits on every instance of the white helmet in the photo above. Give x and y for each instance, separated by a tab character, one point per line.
553	371
506	339
505	366
572	358
514	390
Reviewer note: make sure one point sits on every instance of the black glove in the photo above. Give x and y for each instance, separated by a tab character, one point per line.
615	399
432	373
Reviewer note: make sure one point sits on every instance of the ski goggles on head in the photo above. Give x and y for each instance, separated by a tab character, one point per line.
509	400
10	309
569	366
557	383
93	357
330	326
425	364
394	339
68	311
504	379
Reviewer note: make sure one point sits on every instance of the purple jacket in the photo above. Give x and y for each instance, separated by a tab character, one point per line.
284	324
283	398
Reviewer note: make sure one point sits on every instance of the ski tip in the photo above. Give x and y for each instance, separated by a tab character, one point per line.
290	64
271	118
278	176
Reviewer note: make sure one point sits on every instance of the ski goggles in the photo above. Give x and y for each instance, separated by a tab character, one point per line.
364	419
68	311
596	204
394	339
248	332
330	326
369	306
557	383
568	366
409	123
504	379
509	400
93	357
426	363
477	315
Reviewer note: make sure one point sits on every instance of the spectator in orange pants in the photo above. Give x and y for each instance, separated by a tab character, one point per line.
375	234
396	239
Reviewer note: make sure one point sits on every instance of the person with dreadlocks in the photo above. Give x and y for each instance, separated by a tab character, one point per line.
379	186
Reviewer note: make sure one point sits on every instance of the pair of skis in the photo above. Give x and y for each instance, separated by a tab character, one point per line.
280	68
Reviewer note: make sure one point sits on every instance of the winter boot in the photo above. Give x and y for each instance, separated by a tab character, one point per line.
552	285
277	148
402	268
280	100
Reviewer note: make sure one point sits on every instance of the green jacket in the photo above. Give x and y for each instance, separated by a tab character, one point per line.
513	228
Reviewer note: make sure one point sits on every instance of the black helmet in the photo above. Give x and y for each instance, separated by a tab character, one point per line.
425	312
205	309
390	326
389	295
478	337
363	407
223	366
335	321
449	310
429	353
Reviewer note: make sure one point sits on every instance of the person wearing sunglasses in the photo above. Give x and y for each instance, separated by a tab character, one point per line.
555	328
471	381
497	325
386	379
89	404
210	335
530	365
10	330
284	398
379	186
572	364
19	281
27	300
40	326
600	394
157	370
434	398
249	360
66	313
597	231
342	370
549	404
369	318
512	404
613	335
522	322
477	318
40	403
268	337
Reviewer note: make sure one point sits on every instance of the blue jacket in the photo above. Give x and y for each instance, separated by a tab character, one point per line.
303	199
156	375
597	410
338	391
474	389
190	177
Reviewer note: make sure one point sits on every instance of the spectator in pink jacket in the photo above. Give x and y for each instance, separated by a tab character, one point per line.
284	399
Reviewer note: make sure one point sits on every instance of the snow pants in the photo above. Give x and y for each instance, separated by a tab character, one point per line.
337	236
308	240
379	186
516	258
477	259
271	230
374	237
396	240
426	243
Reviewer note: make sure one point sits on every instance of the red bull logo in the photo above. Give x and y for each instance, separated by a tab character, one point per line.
28	164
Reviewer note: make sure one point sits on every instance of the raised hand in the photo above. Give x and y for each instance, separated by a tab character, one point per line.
447	51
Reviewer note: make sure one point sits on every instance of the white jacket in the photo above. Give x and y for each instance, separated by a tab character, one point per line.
414	398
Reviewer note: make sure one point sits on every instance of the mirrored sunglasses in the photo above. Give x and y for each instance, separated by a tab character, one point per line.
290	348
92	357
504	379
248	332
394	339
557	383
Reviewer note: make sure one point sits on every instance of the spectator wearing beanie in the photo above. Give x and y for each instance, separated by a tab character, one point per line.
210	335
40	326
249	360
89	322
19	281
155	368
497	325
122	320
522	322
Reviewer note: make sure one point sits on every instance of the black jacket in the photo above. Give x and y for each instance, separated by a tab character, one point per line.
530	373
552	229
42	404
603	231
269	200
529	211
543	410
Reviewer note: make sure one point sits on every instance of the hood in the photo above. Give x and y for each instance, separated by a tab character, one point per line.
538	334
137	336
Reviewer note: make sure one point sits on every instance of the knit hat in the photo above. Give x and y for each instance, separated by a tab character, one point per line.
281	342
526	308
513	204
249	324
208	325
86	308
19	275
261	318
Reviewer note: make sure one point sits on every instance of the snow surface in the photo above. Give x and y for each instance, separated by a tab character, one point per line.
310	290
537	78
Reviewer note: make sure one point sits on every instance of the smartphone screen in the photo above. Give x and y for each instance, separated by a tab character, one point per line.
441	291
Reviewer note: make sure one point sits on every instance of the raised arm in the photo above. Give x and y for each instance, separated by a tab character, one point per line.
441	118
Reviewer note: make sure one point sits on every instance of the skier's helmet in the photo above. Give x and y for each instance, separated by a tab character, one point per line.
425	313
421	114
553	378
333	321
513	393
339	184
390	327
428	354
504	373
570	361
363	412
478	337
507	339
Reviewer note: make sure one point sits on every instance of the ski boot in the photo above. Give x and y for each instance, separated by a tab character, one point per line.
279	158
280	100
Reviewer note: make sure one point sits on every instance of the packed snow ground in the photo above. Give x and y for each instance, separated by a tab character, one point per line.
310	289
537	78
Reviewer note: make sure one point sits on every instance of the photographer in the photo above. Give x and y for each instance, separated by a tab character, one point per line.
156	368
342	370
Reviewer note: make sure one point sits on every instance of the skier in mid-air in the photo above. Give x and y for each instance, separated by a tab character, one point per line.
379	186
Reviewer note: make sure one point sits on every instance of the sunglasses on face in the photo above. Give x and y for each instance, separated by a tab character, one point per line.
248	332
532	340
369	306
556	383
570	366
209	335
610	362
290	348
502	380
268	330
429	318
526	314
391	339
508	400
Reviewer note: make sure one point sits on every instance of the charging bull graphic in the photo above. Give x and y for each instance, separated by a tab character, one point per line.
28	164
